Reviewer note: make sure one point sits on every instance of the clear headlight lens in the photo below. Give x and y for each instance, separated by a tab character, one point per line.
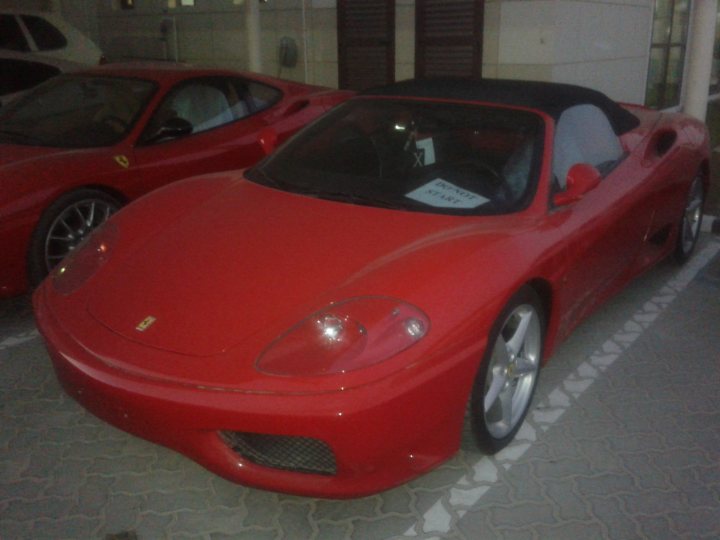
85	260
345	336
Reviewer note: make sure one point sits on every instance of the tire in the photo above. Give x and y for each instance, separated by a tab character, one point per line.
63	225
507	378
690	222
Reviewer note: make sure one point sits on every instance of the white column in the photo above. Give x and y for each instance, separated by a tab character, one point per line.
252	28
700	57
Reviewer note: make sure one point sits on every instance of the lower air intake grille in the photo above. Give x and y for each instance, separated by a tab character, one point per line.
299	454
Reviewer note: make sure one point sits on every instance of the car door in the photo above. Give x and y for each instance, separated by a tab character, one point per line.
224	132
604	229
668	167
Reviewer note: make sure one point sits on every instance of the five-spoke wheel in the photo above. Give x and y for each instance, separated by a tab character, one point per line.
508	375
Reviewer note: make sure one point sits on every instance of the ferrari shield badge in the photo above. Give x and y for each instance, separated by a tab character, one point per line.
122	160
146	323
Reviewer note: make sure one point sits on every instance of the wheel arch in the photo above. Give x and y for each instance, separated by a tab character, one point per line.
115	193
704	172
58	194
546	293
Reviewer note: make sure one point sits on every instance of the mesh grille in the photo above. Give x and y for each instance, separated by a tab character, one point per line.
299	454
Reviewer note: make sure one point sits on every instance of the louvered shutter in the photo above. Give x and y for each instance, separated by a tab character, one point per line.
448	37
366	43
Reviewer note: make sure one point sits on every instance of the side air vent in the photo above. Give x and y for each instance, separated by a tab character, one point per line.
664	142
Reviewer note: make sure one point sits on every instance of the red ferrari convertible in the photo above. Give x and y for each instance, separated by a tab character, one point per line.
80	146
320	324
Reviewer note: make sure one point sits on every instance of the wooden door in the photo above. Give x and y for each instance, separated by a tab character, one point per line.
366	43
448	38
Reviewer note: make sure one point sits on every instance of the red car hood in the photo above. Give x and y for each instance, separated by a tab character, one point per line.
251	258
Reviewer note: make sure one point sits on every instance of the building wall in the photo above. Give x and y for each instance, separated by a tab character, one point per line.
599	43
603	43
34	5
83	15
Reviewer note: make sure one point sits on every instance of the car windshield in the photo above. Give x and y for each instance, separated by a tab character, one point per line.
413	155
76	112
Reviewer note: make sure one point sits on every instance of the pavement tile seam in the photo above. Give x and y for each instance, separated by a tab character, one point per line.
440	516
18	339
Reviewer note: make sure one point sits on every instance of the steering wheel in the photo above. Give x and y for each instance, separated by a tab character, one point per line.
503	193
484	167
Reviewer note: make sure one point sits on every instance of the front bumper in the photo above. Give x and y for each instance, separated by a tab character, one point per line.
380	435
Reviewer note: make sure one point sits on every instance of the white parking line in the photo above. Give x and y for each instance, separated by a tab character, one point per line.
468	491
18	339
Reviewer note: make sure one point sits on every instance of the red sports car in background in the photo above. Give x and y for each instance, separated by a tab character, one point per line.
320	323
80	146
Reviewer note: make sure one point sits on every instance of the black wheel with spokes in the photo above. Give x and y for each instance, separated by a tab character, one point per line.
63	225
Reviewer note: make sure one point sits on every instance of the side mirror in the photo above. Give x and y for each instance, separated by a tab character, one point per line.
172	128
581	179
268	138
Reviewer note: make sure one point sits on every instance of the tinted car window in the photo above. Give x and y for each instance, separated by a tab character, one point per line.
584	135
18	75
414	155
11	36
206	103
75	111
46	36
262	96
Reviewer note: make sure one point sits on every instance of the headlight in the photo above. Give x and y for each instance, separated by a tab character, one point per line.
85	260
345	336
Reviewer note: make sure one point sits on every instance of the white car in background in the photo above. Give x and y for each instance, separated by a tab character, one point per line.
35	46
21	71
46	34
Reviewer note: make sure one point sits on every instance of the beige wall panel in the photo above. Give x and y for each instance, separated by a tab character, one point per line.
490	71
404	71
533	72
589	31
269	40
36	5
623	79
404	37
527	32
229	41
601	44
195	35
324	36
326	74
491	33
132	37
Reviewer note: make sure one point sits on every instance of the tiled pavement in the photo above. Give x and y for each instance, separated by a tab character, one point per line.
623	442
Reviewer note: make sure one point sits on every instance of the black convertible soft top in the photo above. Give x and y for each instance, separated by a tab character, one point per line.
551	98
